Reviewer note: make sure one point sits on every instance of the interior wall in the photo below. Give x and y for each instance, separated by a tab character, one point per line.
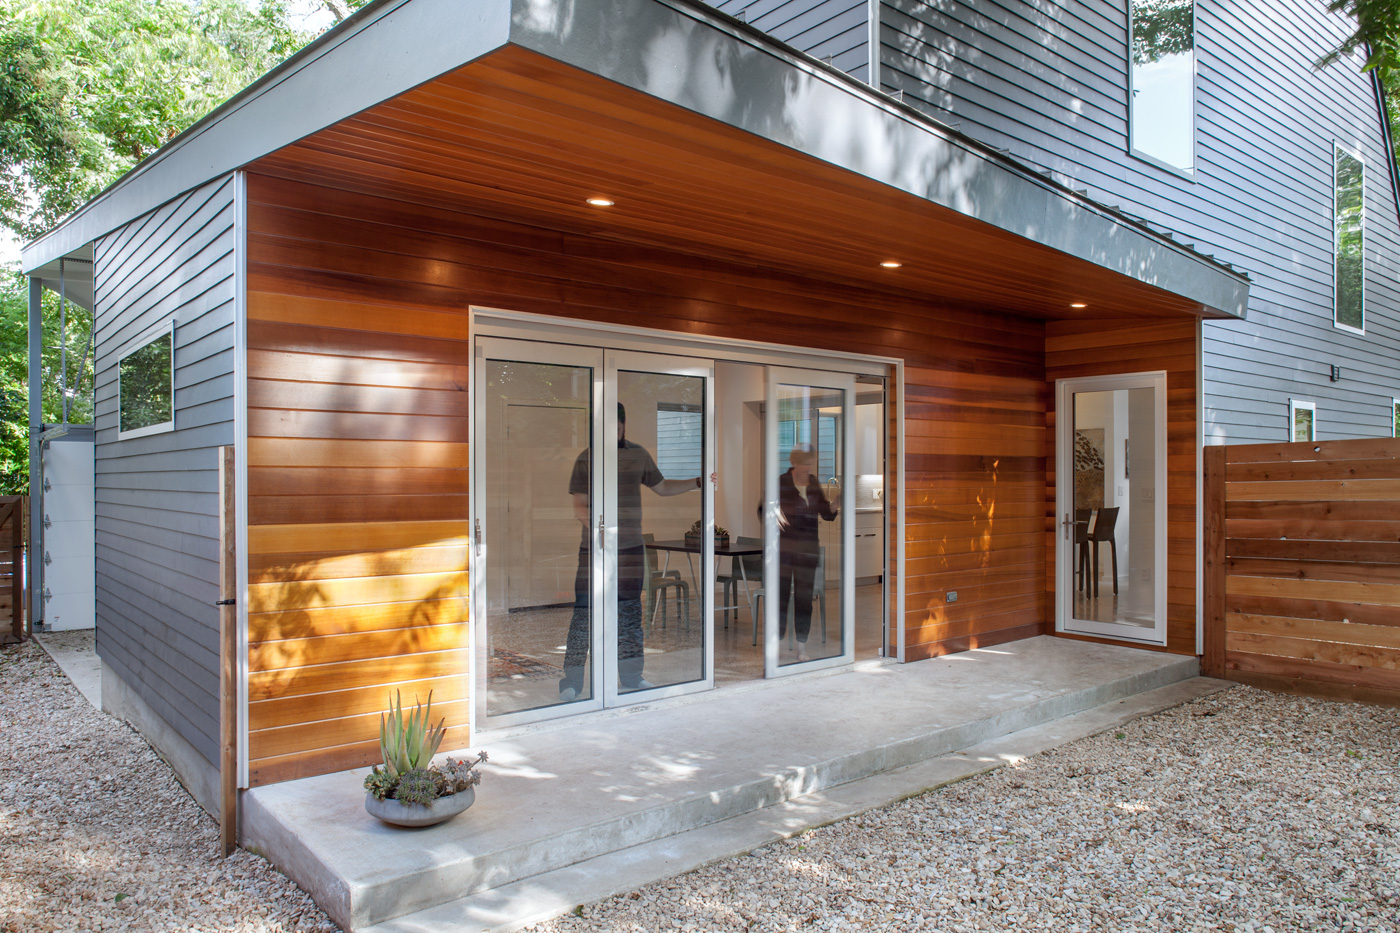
1101	348
362	302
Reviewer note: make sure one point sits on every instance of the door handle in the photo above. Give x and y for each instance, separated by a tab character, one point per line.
600	533
1067	525
478	537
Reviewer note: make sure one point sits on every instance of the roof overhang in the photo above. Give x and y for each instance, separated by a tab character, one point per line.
688	56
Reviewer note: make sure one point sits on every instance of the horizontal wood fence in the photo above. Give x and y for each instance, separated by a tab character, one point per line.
1302	567
14	525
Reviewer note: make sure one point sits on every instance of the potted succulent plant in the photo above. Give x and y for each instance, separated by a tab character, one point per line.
409	790
692	537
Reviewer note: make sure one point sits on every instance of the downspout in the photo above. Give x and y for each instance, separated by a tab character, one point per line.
36	427
1387	137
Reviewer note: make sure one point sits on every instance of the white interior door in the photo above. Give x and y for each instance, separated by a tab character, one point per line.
1111	495
809	521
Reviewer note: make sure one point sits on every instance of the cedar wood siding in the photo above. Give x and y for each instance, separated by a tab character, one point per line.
340	296
1047	82
157	497
838	30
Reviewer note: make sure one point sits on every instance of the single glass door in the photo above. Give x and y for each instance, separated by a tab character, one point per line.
1111	552
808	509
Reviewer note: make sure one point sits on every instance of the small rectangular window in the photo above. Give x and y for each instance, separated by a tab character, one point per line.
1162	82
1301	418
680	440
145	385
1349	219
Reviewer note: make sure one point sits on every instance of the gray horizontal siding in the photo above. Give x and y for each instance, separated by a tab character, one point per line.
1047	81
157	497
835	30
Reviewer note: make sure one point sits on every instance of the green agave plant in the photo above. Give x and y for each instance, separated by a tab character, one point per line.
409	744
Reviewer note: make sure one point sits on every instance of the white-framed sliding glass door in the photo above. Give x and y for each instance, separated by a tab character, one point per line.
660	602
809	521
1111	499
572	610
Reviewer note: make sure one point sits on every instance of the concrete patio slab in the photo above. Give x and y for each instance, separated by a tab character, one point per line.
75	653
596	787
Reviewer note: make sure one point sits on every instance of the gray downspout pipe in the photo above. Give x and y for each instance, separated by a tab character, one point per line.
36	468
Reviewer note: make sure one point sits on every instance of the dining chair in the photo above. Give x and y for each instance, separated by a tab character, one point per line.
1100	533
656	583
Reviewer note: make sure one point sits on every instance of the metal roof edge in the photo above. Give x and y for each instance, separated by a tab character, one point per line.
375	54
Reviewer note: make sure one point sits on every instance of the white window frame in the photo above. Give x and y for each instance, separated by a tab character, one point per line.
1294	406
1395	417
1187	173
148	337
1336	279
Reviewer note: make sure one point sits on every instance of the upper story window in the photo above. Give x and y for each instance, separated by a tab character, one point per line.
1349	222
145	385
1162	82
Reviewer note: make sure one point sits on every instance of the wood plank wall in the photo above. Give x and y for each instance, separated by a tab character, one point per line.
358	308
14	512
1306	593
1100	348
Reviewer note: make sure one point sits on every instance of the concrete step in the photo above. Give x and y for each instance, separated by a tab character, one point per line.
589	788
542	897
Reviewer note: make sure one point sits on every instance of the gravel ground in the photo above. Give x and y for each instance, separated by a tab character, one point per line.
96	834
1244	811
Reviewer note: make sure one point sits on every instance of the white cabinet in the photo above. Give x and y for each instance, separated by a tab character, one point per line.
870	545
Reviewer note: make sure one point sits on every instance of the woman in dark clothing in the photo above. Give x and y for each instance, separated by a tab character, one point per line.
801	503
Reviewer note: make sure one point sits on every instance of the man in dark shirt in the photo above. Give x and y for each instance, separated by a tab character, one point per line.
635	469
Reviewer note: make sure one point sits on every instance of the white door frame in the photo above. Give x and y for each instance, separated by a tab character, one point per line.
479	562
846	383
1064	507
644	361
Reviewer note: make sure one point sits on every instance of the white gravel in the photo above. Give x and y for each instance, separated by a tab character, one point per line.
96	834
1243	811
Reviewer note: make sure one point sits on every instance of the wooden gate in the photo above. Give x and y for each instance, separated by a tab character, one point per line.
14	527
1302	567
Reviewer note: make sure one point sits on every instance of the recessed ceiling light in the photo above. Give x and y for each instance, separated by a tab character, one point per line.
1079	304
891	264
600	202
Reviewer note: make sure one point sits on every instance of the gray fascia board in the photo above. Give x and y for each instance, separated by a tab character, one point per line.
675	51
716	66
385	49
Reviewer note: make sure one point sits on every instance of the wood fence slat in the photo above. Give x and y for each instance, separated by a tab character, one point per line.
1347	633
1376	594
1333	610
1369	448
1379	468
1346	490
1365	656
1366	552
1353	571
1326	671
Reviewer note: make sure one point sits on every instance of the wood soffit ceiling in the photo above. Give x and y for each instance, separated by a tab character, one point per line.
517	136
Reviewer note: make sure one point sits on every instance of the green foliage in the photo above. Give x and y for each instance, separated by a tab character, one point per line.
1349	240
89	88
417	786
408	744
379	783
1377	33
1162	28
14	374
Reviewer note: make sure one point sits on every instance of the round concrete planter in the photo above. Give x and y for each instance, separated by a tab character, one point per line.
420	814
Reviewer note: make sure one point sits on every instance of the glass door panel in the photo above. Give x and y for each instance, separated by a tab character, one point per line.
1112	496
808	521
659	520
537	413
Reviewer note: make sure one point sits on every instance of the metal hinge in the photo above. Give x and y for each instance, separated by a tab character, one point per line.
48	558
